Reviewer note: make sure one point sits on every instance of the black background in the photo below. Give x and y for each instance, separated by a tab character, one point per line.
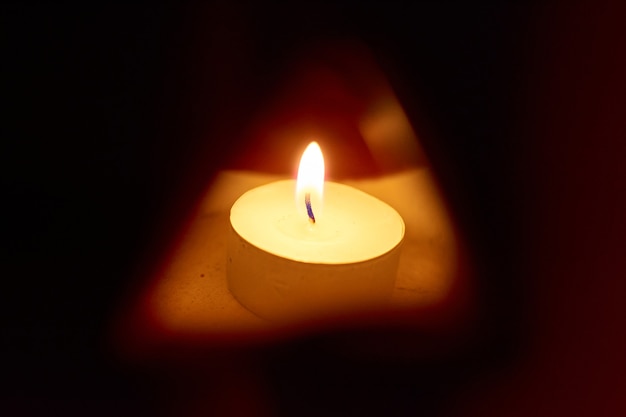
113	123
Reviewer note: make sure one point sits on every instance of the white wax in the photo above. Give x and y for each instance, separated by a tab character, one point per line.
280	264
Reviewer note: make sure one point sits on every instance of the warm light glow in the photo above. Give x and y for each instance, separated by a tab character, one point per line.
310	181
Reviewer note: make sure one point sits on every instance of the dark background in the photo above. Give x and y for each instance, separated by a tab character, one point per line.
114	121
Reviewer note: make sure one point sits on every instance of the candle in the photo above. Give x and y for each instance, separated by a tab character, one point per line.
310	248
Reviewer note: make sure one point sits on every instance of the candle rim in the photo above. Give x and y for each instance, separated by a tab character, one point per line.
372	255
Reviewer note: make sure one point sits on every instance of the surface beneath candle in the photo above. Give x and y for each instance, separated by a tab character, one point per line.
189	295
354	227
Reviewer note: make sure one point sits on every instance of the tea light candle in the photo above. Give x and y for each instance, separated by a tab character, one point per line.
335	251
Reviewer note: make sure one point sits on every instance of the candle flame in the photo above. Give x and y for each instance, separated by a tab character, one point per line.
310	182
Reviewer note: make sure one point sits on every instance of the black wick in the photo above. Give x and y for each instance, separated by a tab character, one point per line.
309	210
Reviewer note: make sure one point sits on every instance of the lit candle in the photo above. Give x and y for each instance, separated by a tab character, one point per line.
336	251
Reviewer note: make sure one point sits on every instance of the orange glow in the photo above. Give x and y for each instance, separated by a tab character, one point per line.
310	180
186	302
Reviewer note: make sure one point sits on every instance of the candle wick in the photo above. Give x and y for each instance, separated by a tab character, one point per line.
309	210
